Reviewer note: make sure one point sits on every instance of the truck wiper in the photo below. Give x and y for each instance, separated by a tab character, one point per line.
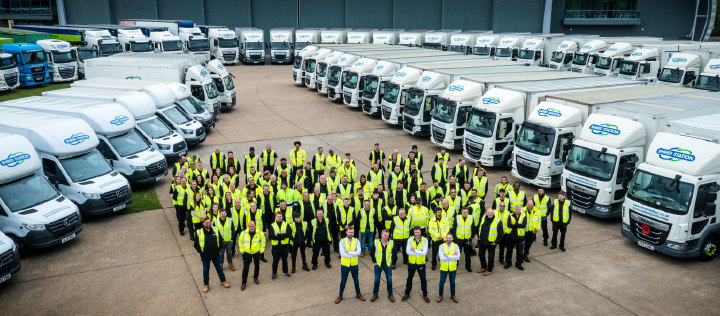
602	151
669	187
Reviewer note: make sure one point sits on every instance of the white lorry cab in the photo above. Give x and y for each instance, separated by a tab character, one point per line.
584	60
337	75
9	258
709	79
312	68
485	45
133	40
62	60
500	112
32	211
645	63
306	37
103	41
123	146
8	72
360	36
323	68
413	38
563	55
464	42
356	81
281	46
684	68
439	39
194	41
252	45
508	47
70	160
334	36
386	36
224	84
606	63
301	63
537	49
166	42
223	44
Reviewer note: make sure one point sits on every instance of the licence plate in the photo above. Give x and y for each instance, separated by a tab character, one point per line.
646	245
5	277
525	180
579	210
280	62
117	208
211	127
182	153
160	178
68	238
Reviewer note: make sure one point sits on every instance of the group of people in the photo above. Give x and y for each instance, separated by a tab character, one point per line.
298	206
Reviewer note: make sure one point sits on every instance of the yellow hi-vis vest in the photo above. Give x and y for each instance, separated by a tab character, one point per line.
345	190
319	162
314	227
501	186
201	237
464	227
387	253
251	162
217	161
294	231
451	265
376	178
438	229
565	212
440	172
254	245
282	229
520	231
402	228
516	199
365	217
417	245
349	246
391	212
492	234
533	217
268	158
479	185
541	205
345	215
332	161
224	230
419	215
297	157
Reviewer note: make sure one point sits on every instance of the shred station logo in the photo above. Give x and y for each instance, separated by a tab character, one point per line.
636	54
400	74
355	36
253	36
407	38
425	78
604	129
679	60
380	67
134	77
14	159
563	46
507	42
220	67
456	87
459	39
381	37
531	43
203	73
675	154
433	38
587	47
490	100
360	63
303	36
612	49
119	120
714	67
549	112
75	139
484	40
182	88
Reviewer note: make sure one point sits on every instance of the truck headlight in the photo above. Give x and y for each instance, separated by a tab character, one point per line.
28	77
187	131
137	167
163	146
676	246
33	226
90	195
14	247
603	208
199	117
544	179
626	227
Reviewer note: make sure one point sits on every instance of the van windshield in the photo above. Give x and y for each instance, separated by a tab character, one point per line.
172	46
155	128
391	92
212	91
535	141
128	144
141	47
86	166
7	63
109	49
64	57
34	57
322	70
176	115
27	192
198	45
649	189
445	110
191	106
254	45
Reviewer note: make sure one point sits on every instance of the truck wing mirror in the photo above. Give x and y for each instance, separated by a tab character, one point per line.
514	52
492	51
510	121
566	147
266	45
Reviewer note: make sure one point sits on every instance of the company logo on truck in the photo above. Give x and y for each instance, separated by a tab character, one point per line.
563	46
253	36
303	36
360	63
484	40
549	112
459	39
490	100
612	49
604	129
14	159
456	87
355	36
134	77
119	120
587	47
203	73
62	46
407	38
715	67
507	42
381	37
75	139
182	88
400	74
329	36
380	67
675	154
433	38
279	36
425	78
636	54
530	43
679	60
343	59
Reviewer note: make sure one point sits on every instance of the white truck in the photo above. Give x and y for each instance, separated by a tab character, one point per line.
360	36
224	44
8	72
412	38
123	146
386	36
301	63
508	47
322	70
537	48
281	46
671	199
312	68
684	68
202	86
709	79
103	41
464	42
334	36
33	212
606	63
584	60
252	45
10	256
194	41
645	63
306	37
70	161
62	60
563	55
133	40
439	39
496	116
166	42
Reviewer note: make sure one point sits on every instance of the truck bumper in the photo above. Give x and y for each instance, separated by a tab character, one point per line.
148	175
93	207
688	253
228	105
286	60
37	239
13	267
332	95
34	80
615	210
422	130
540	181
251	60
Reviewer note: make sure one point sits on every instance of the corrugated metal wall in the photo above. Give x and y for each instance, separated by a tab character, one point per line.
181	10
266	15
321	13
128	9
418	14
94	11
467	14
370	14
232	14
518	15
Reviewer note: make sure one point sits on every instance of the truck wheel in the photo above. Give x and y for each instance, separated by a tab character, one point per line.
20	245
708	249
507	164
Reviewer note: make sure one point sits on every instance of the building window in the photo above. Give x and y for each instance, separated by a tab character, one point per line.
601	9
36	7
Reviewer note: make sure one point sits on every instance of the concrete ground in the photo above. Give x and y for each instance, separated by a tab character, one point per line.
139	264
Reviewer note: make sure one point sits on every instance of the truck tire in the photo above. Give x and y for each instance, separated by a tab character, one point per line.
21	247
507	163
708	251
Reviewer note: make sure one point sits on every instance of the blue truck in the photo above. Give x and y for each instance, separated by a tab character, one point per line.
32	62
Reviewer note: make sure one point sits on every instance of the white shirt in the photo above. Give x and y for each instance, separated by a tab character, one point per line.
418	252
449	258
350	254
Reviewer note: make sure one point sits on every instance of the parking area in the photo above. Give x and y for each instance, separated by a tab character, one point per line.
139	264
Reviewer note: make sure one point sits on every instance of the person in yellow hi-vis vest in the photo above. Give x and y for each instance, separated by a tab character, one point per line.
349	253
503	185
297	157
226	228
561	217
280	233
533	226
251	245
516	237
382	256
297	242
208	244
464	229
437	229
517	196
449	257
416	249
490	233
542	203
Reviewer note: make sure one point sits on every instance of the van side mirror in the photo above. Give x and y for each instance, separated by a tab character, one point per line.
492	51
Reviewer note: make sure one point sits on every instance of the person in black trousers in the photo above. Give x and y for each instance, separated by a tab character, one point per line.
298	241
560	216
489	224
516	222
330	210
321	239
280	233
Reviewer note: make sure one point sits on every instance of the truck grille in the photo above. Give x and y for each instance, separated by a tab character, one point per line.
157	168
115	196
655	236
582	196
39	77
67	73
348	98
386	111
331	93
200	131
179	147
63	226
526	168
37	69
5	260
438	134
473	150
255	56
11	79
280	56
229	56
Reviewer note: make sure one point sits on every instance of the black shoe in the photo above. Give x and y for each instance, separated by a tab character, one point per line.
507	266
553	247
182	233
274	276
263	260
314	267
545	243
562	249
468	269
526	258
502	261
327	265
434	266
287	274
520	267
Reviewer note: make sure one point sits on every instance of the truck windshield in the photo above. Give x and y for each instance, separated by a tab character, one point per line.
7	63
229	85
557	57
708	83
371	84
311	66
228	43
671	75
445	110
254	45
155	128
198	45
27	192
128	144
580	58
436	46
526	54
141	47
628	67
300	45
280	45
391	92
64	57
591	163
87	54
191	106
34	57
503	52
109	49
649	189
172	46
298	62
211	90
351	79
603	62
334	75
176	116
219	84
322	70
86	166
457	48
535	141
481	123
414	101
484	51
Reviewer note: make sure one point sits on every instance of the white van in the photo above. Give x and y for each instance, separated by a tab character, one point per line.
9	258
122	145
32	212
70	160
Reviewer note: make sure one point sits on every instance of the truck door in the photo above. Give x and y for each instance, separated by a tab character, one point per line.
428	107
198	93
461	121
56	176
623	177
560	155
700	220
503	136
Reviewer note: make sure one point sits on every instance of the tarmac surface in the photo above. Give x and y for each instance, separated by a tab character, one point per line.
139	264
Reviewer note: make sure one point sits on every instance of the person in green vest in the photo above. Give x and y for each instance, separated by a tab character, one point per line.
208	244
349	253
226	228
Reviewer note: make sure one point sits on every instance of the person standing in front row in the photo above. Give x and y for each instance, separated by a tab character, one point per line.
349	252
490	233
561	217
280	233
251	245
516	238
299	230
321	239
208	244
416	249
382	256
449	257
226	228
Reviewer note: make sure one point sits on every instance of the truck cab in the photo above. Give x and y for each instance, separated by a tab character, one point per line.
10	255
386	36
532	52
301	63
584	60
355	82
338	75
375	86
32	62
392	102
485	46
508	48
463	42
103	41
606	63
323	69
85	53
194	41
450	116
438	40
223	44
642	65
563	55
134	41
8	72
540	145
62	60
682	69
166	42
203	89
306	37
312	66
281	46
224	84
70	160
709	79
252	45
420	102
32	210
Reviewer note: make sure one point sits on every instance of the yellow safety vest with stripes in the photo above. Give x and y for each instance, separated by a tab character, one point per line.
520	231
451	265
349	247
541	205
280	230
479	185
379	253
365	217
224	230
376	178
492	234
294	231
319	162
297	157
565	212
254	245
268	158
464	227
201	237
327	227
417	245
516	199
402	228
